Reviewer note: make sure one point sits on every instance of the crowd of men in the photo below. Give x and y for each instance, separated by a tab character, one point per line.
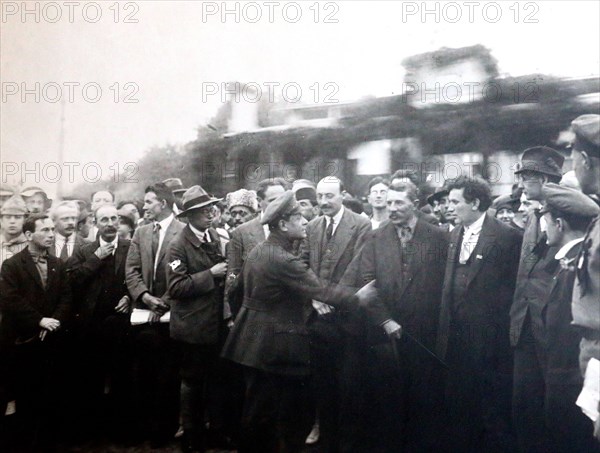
286	315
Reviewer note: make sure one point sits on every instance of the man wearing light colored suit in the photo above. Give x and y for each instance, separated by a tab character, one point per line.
146	277
66	240
333	240
473	336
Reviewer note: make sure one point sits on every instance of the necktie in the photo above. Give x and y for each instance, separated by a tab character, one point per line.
405	234
329	230
155	239
64	253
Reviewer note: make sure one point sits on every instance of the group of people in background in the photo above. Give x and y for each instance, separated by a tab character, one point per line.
273	319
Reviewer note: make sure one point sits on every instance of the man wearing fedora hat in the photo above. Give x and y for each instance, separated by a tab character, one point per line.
146	277
177	188
538	166
586	291
195	277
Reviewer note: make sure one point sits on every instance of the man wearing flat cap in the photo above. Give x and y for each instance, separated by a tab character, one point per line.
439	203
586	291
36	199
568	213
538	166
12	216
306	194
270	337
195	277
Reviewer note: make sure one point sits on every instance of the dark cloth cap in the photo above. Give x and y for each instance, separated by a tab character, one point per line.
541	159
587	134
439	193
506	202
568	201
175	185
307	193
283	206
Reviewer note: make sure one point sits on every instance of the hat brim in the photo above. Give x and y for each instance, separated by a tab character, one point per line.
198	206
178	191
436	196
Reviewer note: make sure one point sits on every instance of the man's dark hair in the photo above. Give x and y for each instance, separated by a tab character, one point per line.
103	190
29	224
377	180
474	188
406	186
576	222
266	183
162	193
221	206
406	174
354	205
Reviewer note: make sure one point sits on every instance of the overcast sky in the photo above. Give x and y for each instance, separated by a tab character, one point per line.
176	47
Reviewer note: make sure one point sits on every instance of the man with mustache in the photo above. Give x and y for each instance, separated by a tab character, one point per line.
332	242
406	257
66	240
97	273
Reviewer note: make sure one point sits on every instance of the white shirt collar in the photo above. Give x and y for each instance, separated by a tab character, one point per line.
114	242
567	248
476	226
164	223
336	218
203	237
63	239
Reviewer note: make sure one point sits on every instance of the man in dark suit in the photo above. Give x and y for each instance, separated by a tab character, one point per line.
332	242
66	240
473	332
146	277
36	299
246	236
406	257
538	166
101	322
568	213
195	276
270	337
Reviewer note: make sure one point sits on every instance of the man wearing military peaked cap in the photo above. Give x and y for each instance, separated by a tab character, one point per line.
586	290
281	208
567	213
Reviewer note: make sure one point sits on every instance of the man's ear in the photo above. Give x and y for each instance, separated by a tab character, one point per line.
28	235
283	225
476	204
587	162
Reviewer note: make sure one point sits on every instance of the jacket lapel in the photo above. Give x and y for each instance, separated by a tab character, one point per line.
171	232
484	245
342	236
318	245
32	268
52	274
120	256
391	255
147	258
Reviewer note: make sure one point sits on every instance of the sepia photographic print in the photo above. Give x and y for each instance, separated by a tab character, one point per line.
300	226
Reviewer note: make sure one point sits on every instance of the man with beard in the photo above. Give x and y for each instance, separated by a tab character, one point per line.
586	291
36	300
66	240
406	258
538	166
97	273
378	188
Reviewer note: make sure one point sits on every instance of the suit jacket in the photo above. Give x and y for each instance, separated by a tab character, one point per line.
25	301
86	274
562	337
536	268
196	296
586	291
489	291
330	260
411	298
79	242
270	330
139	267
243	239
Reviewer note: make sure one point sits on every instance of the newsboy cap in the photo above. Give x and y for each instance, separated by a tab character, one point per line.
195	198
568	201
15	205
283	206
587	134
541	159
